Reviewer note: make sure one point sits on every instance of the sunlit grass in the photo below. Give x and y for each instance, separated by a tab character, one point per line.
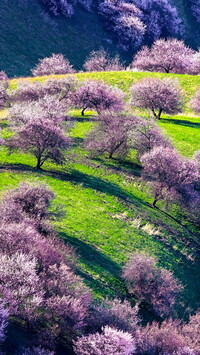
104	198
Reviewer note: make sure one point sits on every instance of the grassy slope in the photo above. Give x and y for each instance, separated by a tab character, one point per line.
108	212
30	32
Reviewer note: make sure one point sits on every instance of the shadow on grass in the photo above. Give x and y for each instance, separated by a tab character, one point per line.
181	122
110	283
4	124
85	180
125	166
95	183
85	118
77	141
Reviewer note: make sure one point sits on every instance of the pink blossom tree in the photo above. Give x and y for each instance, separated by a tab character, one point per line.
56	64
157	95
97	95
191	331
43	140
48	108
195	63
197	158
27	91
25	238
110	136
165	56
20	286
114	313
27	202
3	94
3	76
169	175
162	339
101	61
146	136
63	89
195	102
150	284
66	302
110	341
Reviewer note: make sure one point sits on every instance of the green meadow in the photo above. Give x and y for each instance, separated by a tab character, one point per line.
108	213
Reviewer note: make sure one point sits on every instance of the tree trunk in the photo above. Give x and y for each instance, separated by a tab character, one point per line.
159	113
83	111
38	166
154	113
154	203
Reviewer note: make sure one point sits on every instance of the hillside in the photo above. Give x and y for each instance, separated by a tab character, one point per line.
29	32
108	207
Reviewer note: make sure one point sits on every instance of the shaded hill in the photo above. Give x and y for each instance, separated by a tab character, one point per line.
28	32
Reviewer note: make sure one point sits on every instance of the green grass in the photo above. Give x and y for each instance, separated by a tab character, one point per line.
108	207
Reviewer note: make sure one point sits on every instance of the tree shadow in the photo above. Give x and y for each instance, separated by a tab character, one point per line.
4	124
110	282
95	183
181	122
87	181
17	167
85	118
125	166
77	141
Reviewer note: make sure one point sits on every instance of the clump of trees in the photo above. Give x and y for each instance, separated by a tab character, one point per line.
161	19
44	290
98	96
157	95
123	19
63	89
133	23
46	294
56	64
165	56
101	61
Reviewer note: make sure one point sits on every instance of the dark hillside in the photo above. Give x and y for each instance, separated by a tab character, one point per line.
28	32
